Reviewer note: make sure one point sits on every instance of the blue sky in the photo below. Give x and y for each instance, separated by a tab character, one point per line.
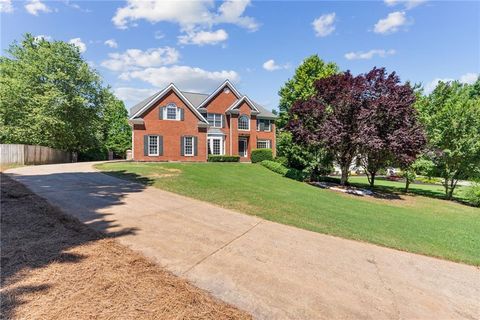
140	46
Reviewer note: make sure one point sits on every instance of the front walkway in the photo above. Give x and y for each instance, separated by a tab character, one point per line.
270	270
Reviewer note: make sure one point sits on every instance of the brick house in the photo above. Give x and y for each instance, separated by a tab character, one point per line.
173	125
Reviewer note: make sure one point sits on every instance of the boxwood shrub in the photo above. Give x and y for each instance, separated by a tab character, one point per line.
284	171
259	155
220	158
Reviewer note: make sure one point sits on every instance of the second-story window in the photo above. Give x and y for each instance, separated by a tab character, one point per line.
243	123
215	119
171	112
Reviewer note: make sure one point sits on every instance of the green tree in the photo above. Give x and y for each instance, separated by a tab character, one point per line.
117	134
451	117
299	88
50	96
302	85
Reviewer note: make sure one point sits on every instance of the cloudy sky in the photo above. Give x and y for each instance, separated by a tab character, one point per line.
141	46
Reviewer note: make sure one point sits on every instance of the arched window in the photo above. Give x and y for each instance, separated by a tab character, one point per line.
171	111
243	123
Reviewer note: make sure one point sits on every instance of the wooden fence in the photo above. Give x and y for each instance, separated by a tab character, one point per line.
28	154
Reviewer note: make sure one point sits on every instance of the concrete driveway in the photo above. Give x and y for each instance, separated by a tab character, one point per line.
271	270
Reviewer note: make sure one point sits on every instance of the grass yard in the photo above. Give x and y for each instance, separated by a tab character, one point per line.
54	267
413	223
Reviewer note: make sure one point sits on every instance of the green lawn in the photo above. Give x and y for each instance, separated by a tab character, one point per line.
418	224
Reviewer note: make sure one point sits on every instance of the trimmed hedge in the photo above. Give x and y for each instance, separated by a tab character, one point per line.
259	155
294	174
220	158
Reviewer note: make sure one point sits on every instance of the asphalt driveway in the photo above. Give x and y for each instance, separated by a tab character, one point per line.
270	270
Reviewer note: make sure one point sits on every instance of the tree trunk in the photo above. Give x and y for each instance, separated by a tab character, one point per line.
372	179
344	178
407	185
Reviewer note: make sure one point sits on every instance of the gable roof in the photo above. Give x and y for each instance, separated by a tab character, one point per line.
226	83
237	103
197	100
144	105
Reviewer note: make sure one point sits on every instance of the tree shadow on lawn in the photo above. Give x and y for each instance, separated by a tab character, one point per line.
35	233
395	193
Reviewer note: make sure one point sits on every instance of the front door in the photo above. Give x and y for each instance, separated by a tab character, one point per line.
242	147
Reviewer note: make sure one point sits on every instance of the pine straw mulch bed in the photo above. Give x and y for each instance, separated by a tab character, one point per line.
54	267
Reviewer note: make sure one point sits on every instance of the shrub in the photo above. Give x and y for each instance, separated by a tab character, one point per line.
281	160
473	195
428	180
258	155
284	171
220	158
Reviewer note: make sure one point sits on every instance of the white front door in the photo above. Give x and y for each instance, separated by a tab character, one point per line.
242	148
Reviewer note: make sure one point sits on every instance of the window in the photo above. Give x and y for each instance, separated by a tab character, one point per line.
171	112
188	146
263	144
243	123
264	125
153	145
215	145
215	119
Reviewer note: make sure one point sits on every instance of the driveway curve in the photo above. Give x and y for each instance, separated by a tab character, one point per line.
271	270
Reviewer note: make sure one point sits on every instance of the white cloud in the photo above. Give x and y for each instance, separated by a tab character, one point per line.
469	78
36	6
466	78
6	6
391	23
111	43
185	77
159	35
75	6
132	96
188	14
135	59
323	25
43	37
79	44
360	55
409	4
203	37
270	65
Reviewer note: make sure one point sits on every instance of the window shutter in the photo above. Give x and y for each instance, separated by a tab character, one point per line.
160	145
182	114
224	120
145	145
160	113
195	146
182	148
270	144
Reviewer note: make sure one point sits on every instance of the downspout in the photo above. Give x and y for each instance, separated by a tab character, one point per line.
133	140
231	135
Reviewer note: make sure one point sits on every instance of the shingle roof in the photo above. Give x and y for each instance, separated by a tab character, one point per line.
196	99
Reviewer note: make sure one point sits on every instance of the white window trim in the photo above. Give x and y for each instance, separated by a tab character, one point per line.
222	144
238	122
185	146
214	116
266	141
177	112
158	147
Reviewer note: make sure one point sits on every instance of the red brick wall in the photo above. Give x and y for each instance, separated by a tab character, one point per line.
171	131
219	104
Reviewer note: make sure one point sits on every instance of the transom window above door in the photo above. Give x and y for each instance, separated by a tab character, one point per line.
215	120
244	123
